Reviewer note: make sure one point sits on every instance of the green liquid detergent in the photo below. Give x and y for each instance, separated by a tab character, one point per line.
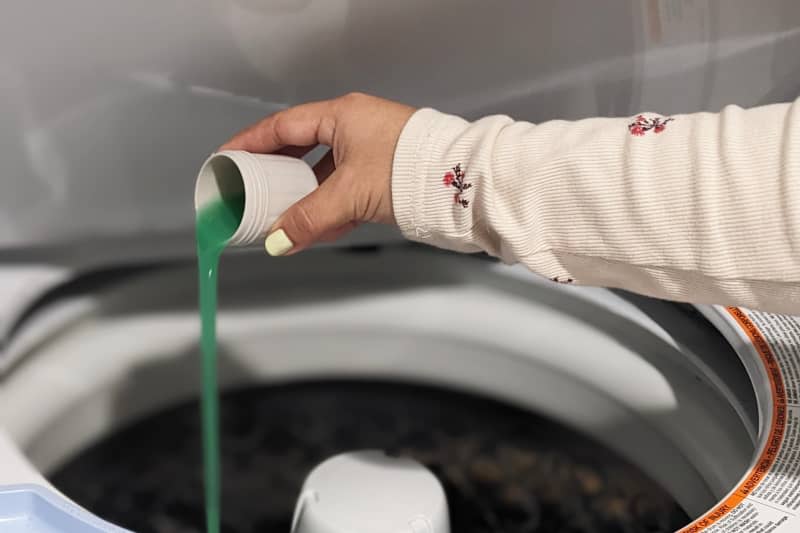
215	224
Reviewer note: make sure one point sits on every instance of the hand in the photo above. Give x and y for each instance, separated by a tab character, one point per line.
354	176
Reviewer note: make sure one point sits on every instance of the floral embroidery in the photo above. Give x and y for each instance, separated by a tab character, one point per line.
642	125
455	178
565	280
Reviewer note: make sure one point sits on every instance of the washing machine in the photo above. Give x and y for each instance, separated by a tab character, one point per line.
108	109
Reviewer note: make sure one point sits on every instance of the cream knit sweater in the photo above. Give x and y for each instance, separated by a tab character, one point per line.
702	208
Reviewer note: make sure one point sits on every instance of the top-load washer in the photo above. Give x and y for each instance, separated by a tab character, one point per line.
106	118
700	400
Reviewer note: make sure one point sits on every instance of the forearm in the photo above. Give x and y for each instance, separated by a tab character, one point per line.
702	207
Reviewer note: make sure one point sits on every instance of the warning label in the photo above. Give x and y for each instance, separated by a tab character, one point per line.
777	486
751	517
768	498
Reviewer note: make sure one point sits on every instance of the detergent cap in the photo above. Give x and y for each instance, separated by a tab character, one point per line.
270	185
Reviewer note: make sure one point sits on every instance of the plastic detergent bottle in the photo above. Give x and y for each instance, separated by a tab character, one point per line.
238	196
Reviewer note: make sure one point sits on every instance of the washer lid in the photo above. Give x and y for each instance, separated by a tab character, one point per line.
102	131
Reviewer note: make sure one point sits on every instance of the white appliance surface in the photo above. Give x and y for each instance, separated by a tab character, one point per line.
108	108
641	376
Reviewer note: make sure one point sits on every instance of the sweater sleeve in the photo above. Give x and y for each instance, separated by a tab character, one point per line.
703	207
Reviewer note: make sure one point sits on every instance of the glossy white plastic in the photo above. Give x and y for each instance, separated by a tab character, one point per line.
270	184
370	492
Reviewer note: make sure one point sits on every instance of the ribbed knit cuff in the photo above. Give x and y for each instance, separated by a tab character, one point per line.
433	201
408	171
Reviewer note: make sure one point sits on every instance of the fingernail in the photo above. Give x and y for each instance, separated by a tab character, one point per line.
278	243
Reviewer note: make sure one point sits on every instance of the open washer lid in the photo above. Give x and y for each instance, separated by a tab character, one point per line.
104	123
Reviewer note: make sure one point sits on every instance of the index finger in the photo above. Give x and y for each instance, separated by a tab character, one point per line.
302	125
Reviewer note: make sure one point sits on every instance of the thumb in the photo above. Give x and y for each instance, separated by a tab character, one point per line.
321	212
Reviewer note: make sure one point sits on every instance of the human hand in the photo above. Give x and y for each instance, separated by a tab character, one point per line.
354	176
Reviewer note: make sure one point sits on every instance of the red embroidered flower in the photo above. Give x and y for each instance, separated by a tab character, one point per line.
456	179
642	125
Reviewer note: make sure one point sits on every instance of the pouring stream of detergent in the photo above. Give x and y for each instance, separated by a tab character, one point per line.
215	224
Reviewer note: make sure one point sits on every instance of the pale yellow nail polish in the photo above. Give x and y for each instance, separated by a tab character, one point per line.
278	243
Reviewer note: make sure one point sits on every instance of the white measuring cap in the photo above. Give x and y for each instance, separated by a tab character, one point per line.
369	492
270	183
